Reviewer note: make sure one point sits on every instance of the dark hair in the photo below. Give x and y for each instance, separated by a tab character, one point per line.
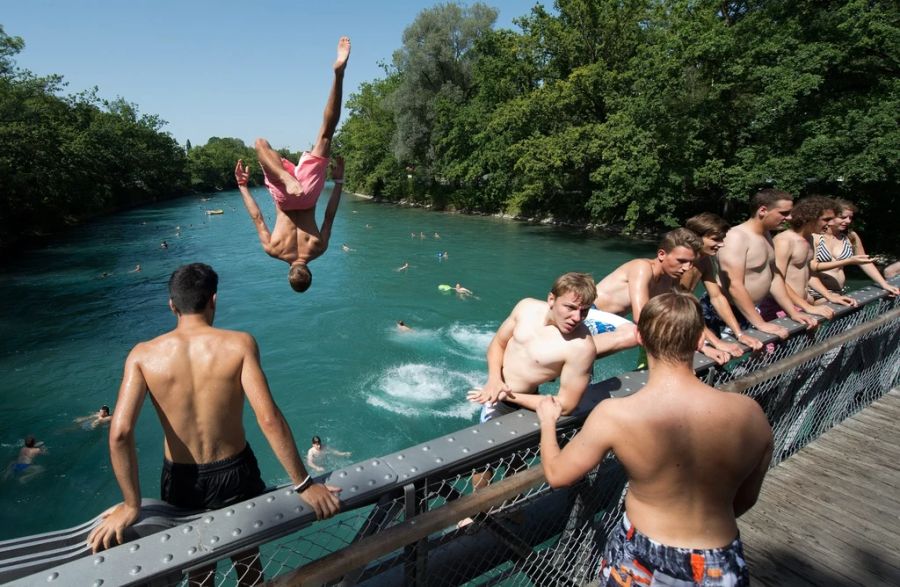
680	237
316	440
707	224
670	327
104	408
191	287
30	441
809	209
767	198
580	284
300	277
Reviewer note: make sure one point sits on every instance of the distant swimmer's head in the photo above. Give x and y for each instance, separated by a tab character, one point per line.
678	250
192	288
316	441
30	441
670	327
104	410
570	299
300	277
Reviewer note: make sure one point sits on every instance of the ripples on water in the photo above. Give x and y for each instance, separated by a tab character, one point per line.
335	360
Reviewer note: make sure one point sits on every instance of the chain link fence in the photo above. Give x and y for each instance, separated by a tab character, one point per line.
544	537
438	529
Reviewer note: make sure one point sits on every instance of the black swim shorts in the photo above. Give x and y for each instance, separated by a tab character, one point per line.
211	485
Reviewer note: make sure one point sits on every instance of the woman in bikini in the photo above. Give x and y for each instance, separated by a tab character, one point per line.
838	247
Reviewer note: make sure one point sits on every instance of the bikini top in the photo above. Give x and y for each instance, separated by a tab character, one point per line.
823	253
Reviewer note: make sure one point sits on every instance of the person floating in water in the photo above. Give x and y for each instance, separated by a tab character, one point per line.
317	452
137	268
23	468
297	239
346	248
199	378
403	326
95	420
403	267
462	291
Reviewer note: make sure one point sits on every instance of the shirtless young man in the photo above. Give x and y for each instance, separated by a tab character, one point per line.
297	239
317	453
794	251
750	279
711	229
198	377
632	284
538	342
695	459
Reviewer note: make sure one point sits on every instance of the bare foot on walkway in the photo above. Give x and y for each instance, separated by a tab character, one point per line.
343	54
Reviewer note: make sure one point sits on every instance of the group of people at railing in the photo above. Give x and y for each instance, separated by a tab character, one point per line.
695	457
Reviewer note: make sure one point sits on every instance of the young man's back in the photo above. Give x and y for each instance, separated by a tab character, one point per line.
687	449
695	459
194	378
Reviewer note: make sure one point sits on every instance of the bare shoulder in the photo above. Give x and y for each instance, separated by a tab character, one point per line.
737	236
238	338
528	306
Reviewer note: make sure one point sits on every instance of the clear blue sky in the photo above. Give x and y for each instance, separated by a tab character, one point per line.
217	68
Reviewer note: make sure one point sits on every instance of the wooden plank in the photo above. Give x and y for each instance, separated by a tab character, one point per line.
828	515
807	471
809	547
835	516
879	446
878	479
821	545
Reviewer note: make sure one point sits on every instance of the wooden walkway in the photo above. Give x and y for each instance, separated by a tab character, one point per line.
830	514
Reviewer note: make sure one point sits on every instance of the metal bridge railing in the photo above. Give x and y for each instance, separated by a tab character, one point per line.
399	524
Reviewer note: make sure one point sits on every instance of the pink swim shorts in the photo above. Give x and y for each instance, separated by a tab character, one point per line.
310	172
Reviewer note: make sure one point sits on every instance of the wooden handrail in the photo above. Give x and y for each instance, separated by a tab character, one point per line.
409	531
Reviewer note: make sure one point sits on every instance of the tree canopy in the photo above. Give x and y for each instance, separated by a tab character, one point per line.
636	112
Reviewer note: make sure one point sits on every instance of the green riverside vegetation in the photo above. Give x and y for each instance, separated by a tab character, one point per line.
632	113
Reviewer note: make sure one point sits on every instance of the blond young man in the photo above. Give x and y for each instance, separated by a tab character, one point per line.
695	459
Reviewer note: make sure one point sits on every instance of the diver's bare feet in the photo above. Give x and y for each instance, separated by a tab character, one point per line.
343	54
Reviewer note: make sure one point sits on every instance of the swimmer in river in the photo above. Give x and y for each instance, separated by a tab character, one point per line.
317	452
137	268
402	327
462	291
403	267
346	248
164	245
23	468
92	421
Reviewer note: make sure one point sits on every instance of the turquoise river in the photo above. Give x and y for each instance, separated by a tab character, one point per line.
336	362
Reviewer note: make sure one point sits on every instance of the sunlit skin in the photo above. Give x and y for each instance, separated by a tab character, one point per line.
793	253
831	273
721	351
631	285
537	343
748	271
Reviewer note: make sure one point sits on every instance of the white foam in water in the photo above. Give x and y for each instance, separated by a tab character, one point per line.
418	389
470	341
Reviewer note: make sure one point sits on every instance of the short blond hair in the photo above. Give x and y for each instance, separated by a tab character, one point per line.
581	284
680	237
670	327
